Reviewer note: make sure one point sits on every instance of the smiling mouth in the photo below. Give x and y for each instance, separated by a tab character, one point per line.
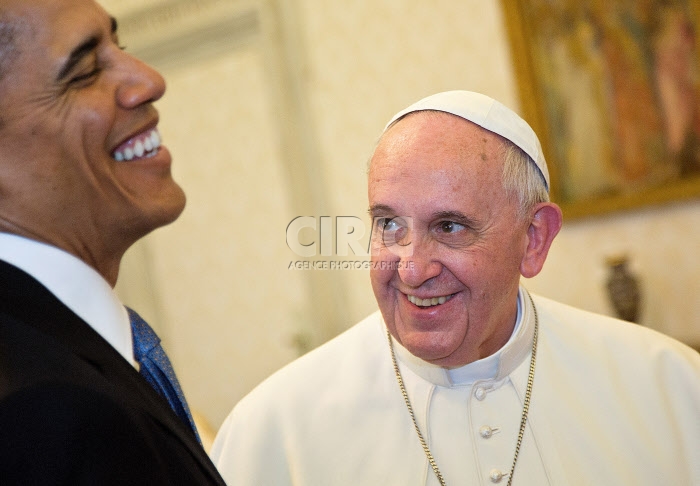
141	146
429	302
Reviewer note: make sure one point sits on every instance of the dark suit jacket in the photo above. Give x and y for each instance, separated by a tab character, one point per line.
73	411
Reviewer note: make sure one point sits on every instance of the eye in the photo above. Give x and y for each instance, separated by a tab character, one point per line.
392	231
449	227
381	224
85	78
388	224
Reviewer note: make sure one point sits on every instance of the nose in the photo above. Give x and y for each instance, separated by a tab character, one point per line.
419	265
140	83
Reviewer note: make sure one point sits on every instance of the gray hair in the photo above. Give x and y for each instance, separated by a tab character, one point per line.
522	180
9	46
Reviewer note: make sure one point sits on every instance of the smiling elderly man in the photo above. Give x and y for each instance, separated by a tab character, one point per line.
464	377
83	176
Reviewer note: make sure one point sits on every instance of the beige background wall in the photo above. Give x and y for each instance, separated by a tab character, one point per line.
272	112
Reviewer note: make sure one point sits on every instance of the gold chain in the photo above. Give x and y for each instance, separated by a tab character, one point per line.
523	418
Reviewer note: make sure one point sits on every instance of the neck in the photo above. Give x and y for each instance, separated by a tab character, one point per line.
105	259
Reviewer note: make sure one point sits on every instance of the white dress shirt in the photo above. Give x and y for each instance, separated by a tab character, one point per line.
77	285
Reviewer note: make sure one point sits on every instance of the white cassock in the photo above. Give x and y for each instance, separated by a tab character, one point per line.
613	403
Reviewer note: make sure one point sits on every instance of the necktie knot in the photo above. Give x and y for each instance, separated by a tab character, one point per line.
157	369
145	338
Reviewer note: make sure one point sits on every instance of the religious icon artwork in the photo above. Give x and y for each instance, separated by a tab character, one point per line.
613	89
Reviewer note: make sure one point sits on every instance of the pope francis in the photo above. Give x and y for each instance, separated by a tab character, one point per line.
463	377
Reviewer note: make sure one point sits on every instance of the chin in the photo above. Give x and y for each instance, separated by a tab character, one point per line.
176	207
426	349
426	344
169	213
162	213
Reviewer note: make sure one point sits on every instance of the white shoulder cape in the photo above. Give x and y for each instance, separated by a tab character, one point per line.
613	404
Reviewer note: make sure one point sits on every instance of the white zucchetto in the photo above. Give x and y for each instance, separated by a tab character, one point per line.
487	113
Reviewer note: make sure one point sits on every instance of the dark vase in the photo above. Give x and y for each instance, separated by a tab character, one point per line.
623	289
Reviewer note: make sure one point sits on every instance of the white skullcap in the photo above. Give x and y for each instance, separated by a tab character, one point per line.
487	113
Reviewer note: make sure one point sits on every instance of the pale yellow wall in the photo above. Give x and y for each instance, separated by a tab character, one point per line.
663	244
326	76
215	284
369	59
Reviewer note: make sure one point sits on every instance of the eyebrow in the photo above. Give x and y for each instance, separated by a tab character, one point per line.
457	217
83	50
380	208
450	215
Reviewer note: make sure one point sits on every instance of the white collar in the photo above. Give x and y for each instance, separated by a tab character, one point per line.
74	283
494	367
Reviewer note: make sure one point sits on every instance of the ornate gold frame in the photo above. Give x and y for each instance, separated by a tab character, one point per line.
521	31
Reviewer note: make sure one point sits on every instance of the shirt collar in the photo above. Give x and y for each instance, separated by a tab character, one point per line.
77	285
494	367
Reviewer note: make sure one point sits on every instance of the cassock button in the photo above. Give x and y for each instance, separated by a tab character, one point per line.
480	393
486	432
495	475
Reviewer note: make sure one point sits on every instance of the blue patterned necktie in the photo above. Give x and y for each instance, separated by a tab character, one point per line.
156	368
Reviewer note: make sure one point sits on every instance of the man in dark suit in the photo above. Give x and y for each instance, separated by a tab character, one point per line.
83	176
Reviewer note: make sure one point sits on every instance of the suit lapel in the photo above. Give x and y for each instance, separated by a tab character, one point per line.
28	301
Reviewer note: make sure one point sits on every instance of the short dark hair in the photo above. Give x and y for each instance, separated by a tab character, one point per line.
9	49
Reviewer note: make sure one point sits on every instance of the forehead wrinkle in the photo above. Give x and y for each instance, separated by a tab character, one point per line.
451	214
470	152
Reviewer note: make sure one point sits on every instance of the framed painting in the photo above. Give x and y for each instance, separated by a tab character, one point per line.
612	87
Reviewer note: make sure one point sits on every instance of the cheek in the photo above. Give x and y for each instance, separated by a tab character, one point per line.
95	127
478	270
495	276
377	276
381	279
88	116
384	264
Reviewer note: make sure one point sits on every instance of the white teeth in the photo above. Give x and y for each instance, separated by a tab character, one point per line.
428	302
138	149
145	146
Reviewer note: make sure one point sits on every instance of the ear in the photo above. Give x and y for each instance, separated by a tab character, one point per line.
545	225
